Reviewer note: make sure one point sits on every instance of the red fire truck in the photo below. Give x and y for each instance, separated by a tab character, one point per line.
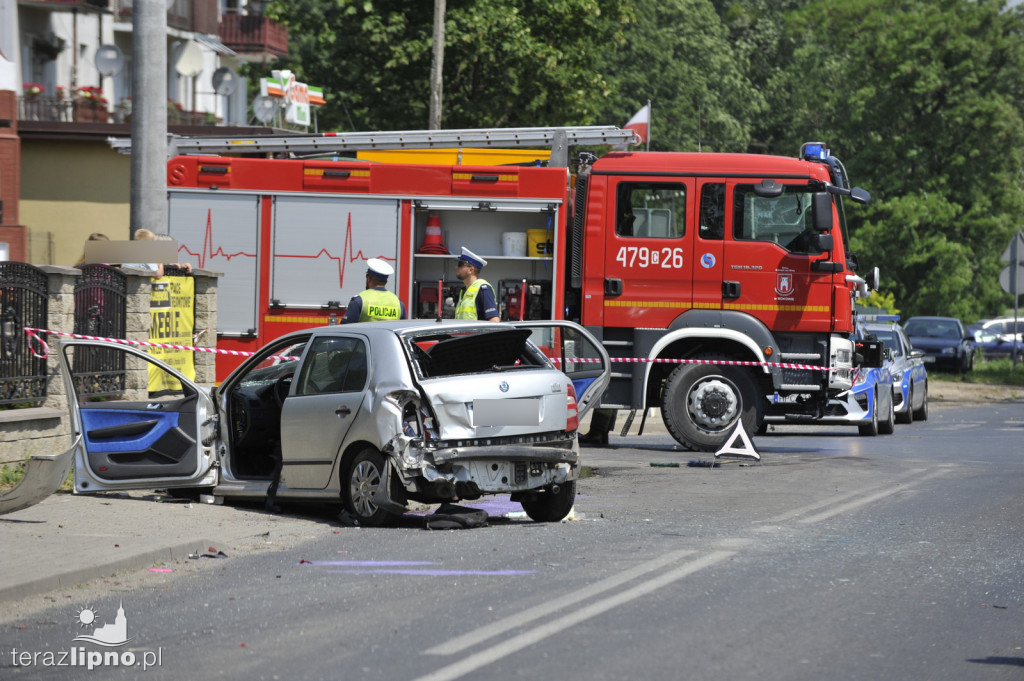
739	261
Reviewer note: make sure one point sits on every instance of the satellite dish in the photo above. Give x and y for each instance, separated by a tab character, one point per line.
264	108
189	61
224	80
109	60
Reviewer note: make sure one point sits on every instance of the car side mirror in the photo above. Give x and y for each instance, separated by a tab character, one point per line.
823	242
916	353
869	353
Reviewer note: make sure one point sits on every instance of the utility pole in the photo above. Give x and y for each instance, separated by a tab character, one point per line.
436	66
149	117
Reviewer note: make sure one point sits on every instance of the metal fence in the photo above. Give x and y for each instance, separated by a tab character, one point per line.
100	310
23	302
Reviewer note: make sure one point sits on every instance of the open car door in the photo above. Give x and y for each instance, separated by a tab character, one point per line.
578	354
126	437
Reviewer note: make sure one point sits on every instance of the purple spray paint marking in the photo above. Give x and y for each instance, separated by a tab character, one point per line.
368	563
435	573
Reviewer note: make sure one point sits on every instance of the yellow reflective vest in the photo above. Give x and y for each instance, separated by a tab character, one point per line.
466	309
379	306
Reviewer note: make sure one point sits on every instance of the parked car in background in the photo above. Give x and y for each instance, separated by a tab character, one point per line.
1000	337
946	344
909	375
991	346
867	405
369	416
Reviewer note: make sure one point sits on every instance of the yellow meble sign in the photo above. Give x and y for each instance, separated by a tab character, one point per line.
172	321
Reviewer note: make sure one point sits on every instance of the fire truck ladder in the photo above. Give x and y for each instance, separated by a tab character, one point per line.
559	139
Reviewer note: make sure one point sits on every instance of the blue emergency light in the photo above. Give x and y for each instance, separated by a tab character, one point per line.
877	317
814	151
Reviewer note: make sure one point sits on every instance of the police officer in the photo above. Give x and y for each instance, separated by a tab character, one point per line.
376	303
477	300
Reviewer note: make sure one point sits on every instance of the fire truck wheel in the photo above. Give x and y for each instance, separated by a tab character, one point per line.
702	403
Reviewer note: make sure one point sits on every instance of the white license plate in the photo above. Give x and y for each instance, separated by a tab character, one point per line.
517	412
929	360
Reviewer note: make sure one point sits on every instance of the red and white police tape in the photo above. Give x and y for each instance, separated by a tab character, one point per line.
32	334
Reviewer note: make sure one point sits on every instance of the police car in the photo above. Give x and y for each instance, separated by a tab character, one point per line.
909	375
869	404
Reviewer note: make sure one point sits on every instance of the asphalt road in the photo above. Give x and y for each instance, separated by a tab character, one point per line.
837	557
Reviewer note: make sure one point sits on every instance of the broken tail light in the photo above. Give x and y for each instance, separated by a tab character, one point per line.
572	418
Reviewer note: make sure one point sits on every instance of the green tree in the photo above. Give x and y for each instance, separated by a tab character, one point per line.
677	53
921	99
511	63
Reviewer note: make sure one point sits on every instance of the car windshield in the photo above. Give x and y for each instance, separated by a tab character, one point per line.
933	328
274	366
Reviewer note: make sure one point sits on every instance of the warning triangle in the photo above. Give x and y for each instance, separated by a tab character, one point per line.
746	447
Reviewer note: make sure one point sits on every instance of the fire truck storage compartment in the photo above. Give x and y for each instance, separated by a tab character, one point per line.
426	299
478	224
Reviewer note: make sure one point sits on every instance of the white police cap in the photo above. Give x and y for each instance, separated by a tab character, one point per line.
378	268
472	258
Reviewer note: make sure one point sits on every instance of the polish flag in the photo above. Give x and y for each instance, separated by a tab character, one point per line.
640	122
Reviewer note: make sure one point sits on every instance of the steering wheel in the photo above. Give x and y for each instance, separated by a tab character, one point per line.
281	388
240	421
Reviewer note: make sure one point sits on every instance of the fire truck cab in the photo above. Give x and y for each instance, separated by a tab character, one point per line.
727	272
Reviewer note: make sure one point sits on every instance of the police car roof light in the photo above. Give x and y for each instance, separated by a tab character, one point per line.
878	317
814	151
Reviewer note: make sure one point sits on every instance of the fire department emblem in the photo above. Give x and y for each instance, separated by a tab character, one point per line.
784	283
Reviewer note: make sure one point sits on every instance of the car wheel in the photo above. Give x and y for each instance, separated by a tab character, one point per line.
550	507
907	415
888	426
702	403
921	413
871	427
362	478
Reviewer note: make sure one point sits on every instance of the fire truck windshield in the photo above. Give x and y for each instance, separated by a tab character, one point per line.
785	220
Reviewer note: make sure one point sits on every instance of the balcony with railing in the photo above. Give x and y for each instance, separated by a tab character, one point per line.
254	37
59	109
198	16
91	5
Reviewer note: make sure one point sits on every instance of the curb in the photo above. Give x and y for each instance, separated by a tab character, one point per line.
76	576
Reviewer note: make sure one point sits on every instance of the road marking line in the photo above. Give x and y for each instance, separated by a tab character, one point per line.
460	643
789	515
543	631
857	503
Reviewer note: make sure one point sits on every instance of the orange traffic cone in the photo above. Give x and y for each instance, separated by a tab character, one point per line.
433	242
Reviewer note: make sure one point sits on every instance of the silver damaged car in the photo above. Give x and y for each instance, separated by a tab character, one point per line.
370	415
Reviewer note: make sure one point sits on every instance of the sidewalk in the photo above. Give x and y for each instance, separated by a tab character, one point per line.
68	539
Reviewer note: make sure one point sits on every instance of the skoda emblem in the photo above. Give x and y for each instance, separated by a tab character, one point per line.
503	387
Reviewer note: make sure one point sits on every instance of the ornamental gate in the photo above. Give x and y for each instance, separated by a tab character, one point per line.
23	298
100	310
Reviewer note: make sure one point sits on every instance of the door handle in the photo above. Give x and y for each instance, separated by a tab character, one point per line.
730	289
343	411
613	287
